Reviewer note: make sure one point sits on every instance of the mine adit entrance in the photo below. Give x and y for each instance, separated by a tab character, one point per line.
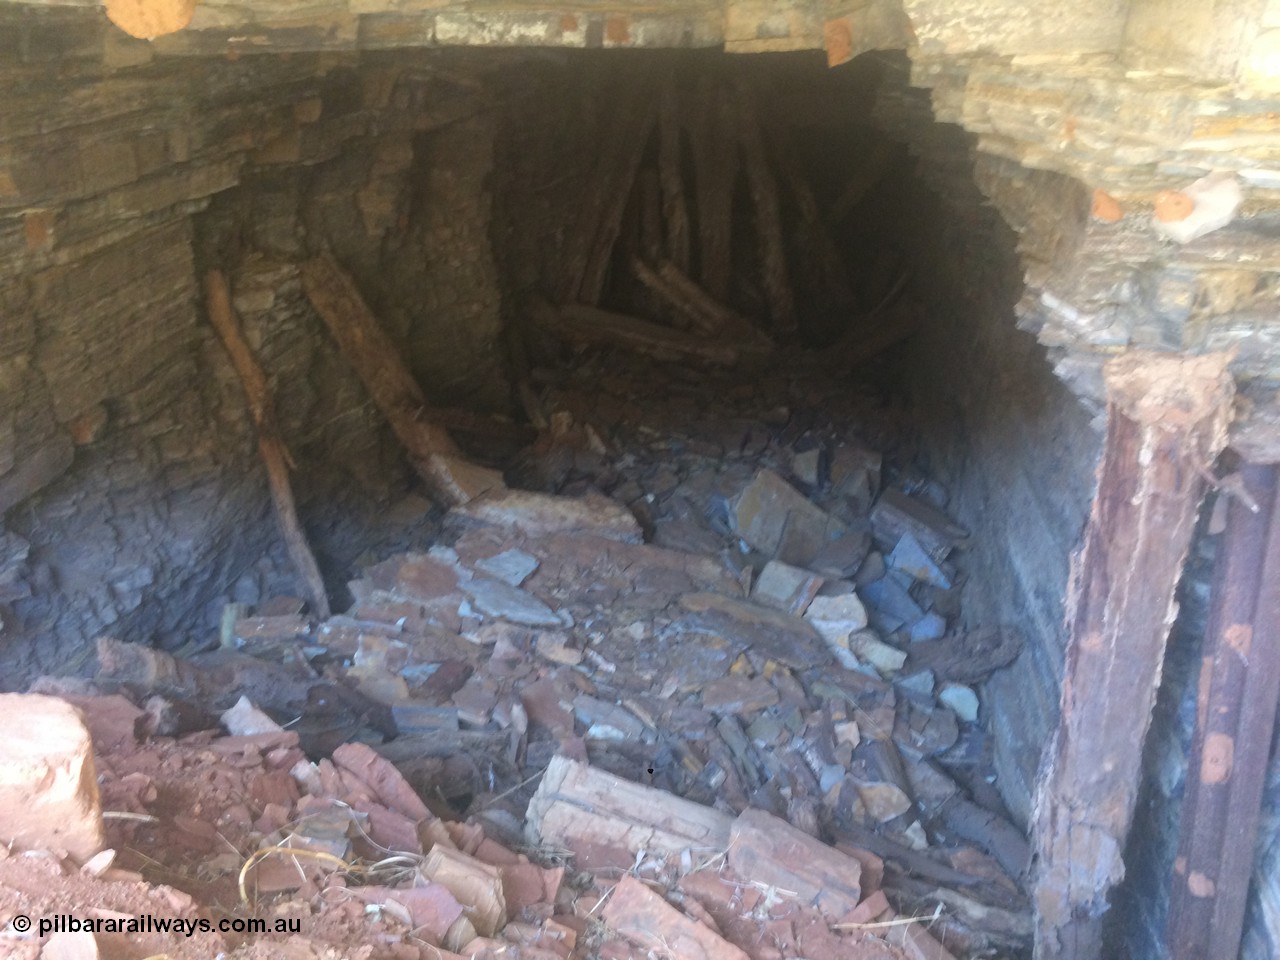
658	416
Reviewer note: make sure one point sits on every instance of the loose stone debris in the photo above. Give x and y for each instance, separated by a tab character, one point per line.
702	688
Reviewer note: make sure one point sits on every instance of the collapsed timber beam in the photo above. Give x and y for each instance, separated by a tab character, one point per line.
1235	718
275	456
1167	418
366	346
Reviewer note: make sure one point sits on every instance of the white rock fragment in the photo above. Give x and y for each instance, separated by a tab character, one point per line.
835	618
246	720
961	699
1207	205
887	659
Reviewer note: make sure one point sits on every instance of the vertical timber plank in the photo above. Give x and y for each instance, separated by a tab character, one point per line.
715	176
763	186
1167	418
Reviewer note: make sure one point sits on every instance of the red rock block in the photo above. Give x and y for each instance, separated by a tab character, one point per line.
764	849
48	788
112	721
867	910
648	921
382	778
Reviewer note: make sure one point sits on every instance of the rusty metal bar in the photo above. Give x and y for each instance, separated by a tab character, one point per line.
1235	718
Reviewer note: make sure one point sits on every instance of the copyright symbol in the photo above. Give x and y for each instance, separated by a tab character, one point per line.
21	923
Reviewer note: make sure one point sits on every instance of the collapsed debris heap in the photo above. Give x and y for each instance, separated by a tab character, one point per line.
705	692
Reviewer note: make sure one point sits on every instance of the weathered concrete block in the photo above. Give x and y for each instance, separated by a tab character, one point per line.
48	789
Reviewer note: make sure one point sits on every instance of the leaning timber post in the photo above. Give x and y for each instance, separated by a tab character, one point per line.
1167	418
1235	719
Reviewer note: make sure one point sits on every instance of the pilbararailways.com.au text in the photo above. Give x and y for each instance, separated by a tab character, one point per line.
146	923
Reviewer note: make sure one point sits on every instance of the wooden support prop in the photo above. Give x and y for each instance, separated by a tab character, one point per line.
866	339
1236	714
875	164
491	427
367	347
715	172
768	217
702	312
590	249
818	255
270	447
580	324
649	194
1167	419
675	214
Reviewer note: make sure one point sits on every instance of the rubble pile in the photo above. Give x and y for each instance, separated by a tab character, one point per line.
702	688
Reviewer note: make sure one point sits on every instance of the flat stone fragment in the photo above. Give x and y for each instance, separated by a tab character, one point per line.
805	466
869	648
932	626
843	556
509	566
890	599
896	514
771	633
910	557
785	587
541	514
493	598
48	787
740	695
779	521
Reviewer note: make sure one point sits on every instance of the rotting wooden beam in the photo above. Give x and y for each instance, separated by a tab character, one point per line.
1167	418
590	249
715	176
695	306
366	346
675	214
271	447
763	187
1235	718
582	325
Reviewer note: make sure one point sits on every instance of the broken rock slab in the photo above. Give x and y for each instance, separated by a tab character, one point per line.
766	632
835	618
510	566
541	515
911	558
779	521
48	787
785	587
605	820
493	598
896	514
738	695
647	920
765	849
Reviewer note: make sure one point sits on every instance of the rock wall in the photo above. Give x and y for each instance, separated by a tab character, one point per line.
1015	446
126	472
131	495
